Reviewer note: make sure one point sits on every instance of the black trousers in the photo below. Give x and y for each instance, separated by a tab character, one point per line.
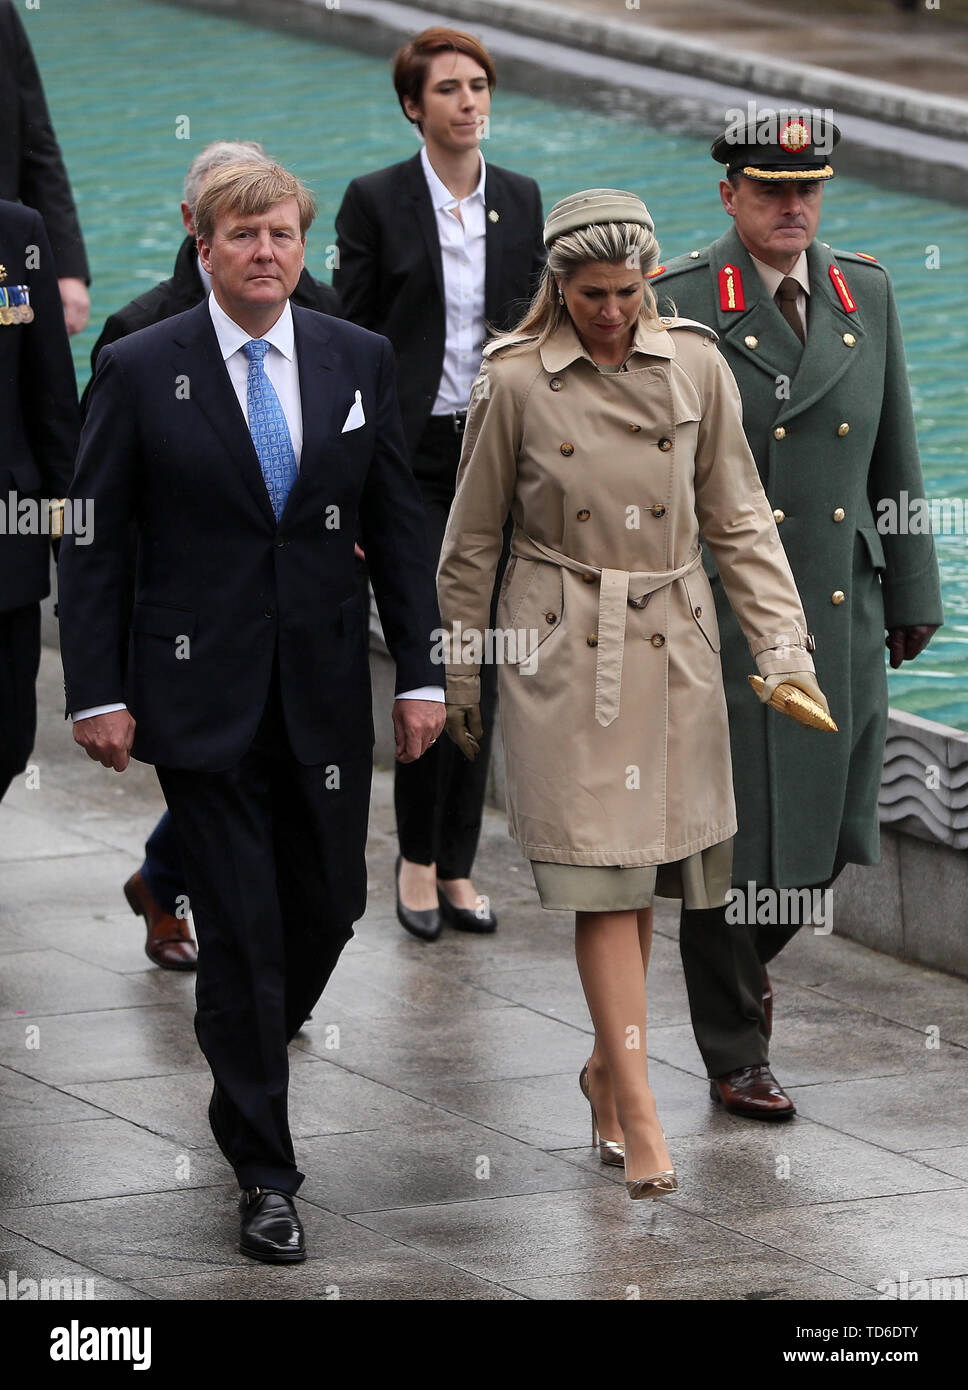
274	862
439	799
723	963
19	664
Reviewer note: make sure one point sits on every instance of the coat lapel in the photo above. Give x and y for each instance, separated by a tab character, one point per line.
197	356
494	240
425	217
826	356
758	334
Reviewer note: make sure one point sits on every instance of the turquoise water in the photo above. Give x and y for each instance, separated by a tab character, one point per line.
119	77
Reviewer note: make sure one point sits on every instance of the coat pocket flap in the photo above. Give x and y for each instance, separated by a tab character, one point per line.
875	547
162	622
531	607
702	607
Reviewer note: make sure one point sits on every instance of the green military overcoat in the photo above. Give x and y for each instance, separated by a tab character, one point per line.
831	428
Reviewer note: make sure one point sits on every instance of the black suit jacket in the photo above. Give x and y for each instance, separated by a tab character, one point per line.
220	586
31	168
390	276
38	417
183	291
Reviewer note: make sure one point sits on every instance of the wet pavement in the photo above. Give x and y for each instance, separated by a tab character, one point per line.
435	1103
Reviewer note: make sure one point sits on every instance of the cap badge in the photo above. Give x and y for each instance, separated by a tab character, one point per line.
795	136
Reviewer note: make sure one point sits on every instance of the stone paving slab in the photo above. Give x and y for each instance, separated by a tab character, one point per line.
441	1128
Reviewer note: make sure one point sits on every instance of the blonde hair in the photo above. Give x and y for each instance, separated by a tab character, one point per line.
250	189
611	243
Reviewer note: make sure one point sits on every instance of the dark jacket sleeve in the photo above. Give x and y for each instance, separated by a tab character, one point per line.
393	532
355	276
91	578
49	385
43	182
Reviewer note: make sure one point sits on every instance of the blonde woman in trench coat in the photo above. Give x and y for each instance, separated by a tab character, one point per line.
614	438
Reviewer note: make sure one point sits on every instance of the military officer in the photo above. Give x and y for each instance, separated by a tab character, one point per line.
813	339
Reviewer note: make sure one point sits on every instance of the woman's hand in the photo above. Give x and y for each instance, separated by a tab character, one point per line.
465	728
803	680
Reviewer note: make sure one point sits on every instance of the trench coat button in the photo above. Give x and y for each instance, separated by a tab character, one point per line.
779	515
698	611
657	639
839	514
779	432
567	450
592	639
751	341
849	339
584	514
634	429
556	383
694	255
665	444
588	578
843	429
837	596
658	509
551	617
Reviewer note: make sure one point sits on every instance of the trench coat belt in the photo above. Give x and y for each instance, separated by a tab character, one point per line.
617	588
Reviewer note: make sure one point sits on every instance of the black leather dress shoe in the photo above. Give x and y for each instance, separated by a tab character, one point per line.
426	925
270	1231
465	918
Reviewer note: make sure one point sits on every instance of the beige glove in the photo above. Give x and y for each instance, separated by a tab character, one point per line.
465	728
803	680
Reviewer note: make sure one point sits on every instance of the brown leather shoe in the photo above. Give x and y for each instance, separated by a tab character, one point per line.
768	1003
753	1092
169	942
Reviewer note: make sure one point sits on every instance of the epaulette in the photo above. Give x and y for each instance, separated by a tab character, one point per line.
687	262
692	326
508	340
861	256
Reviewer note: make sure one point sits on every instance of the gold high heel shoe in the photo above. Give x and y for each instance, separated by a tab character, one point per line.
608	1150
659	1185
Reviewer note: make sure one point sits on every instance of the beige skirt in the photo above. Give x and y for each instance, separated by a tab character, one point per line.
701	880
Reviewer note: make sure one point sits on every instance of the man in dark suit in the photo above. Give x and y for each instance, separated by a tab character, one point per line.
248	441
31	167
38	438
432	252
156	891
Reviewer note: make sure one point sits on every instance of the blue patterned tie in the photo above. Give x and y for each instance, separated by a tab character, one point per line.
267	425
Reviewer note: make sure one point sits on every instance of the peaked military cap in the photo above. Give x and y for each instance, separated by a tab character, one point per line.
778	145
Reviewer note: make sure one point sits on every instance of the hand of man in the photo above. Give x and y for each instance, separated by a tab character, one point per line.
803	680
416	725
905	643
76	302
107	738
464	727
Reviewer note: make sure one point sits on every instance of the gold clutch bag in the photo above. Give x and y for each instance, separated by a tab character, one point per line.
792	701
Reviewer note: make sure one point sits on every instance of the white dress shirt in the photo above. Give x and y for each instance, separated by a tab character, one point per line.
282	369
773	278
462	255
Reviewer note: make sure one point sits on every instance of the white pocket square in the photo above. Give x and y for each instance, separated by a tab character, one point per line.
356	418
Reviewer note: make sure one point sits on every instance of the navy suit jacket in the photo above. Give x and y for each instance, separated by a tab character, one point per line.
220	586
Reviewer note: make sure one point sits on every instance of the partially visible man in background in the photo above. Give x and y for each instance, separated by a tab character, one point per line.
38	439
157	891
32	169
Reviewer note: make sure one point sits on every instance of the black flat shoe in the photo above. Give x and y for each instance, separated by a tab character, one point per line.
465	918
270	1231
426	925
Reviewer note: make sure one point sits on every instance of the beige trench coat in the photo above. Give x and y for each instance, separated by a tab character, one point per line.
611	693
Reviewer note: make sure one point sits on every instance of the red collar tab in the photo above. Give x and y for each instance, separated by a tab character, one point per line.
840	285
731	289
